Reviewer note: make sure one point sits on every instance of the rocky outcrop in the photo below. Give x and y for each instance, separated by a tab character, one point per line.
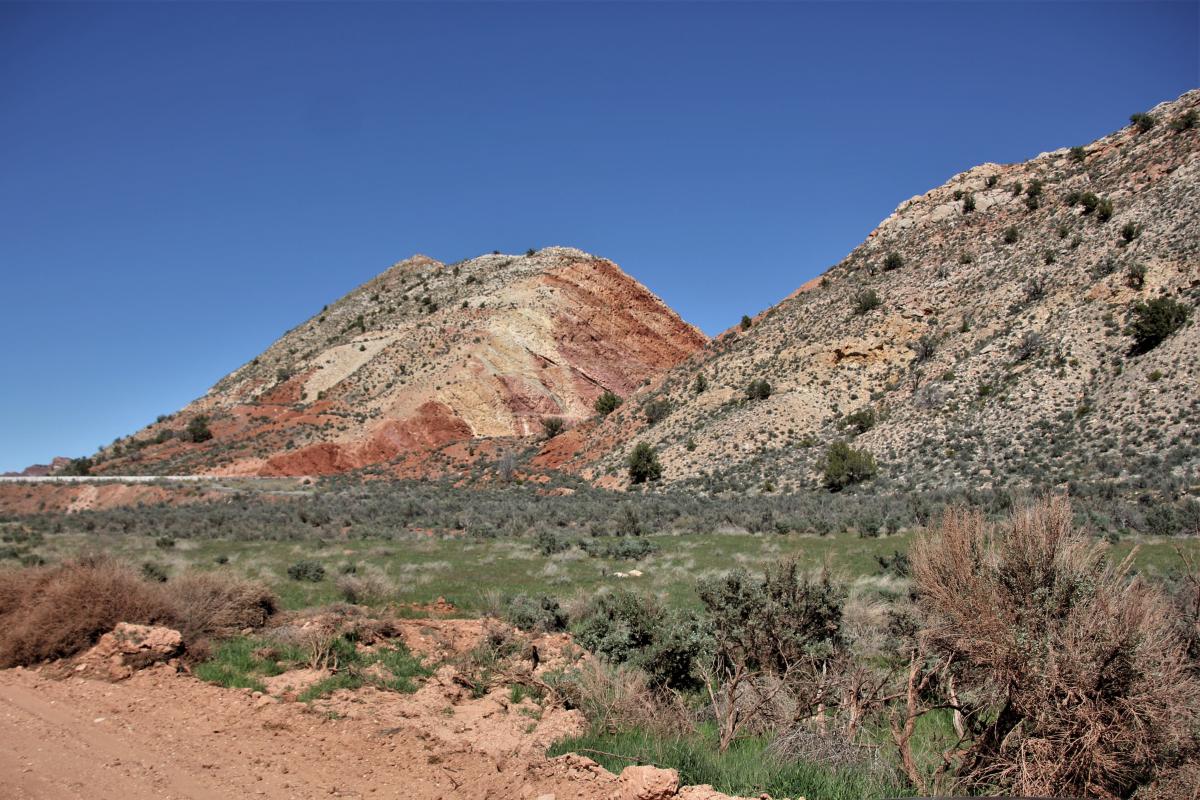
128	648
39	470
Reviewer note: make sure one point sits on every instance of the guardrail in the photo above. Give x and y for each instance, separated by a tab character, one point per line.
130	478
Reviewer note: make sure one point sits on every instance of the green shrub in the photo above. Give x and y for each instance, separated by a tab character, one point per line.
783	620
548	542
844	466
1154	321
968	203
643	464
865	300
1104	209
541	613
657	410
1135	276
78	466
607	403
991	180
1011	235
759	389
700	385
625	548
197	429
1142	121
1129	232
1033	195
923	348
306	570
1078	154
892	261
862	420
746	322
1184	122
553	426
626	627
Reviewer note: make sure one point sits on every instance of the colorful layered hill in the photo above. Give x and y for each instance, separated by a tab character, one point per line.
424	355
979	337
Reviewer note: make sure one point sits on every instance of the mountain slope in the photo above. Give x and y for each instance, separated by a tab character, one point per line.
423	355
995	357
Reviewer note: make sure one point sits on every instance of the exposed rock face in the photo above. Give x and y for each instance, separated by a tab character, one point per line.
424	355
128	648
997	352
39	470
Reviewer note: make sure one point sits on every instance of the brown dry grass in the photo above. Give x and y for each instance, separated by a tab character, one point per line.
1075	680
207	604
57	611
619	697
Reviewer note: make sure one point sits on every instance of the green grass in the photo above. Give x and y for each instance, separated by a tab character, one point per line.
464	569
343	680
234	665
404	667
744	769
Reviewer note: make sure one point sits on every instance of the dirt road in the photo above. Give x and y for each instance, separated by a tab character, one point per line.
167	735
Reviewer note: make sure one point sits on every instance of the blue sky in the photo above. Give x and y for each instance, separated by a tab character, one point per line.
179	184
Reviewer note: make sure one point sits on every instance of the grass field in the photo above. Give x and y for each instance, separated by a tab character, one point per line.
466	570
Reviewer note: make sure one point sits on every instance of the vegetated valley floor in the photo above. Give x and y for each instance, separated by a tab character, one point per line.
465	571
428	540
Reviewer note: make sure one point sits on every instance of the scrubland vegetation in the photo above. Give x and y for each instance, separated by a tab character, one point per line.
865	647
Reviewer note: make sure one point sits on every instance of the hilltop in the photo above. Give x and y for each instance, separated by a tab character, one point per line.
423	356
977	338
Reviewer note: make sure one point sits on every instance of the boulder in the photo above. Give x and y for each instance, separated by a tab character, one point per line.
648	783
128	648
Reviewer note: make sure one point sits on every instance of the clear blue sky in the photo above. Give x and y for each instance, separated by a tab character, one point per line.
179	183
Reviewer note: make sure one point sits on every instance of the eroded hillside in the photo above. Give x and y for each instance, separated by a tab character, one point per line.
423	355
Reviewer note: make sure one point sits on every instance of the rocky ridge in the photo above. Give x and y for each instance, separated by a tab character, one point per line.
977	338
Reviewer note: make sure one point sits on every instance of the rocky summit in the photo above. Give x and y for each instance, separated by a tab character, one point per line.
982	336
421	357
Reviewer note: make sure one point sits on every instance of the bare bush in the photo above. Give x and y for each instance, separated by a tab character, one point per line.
1073	679
55	612
368	587
616	697
208	604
